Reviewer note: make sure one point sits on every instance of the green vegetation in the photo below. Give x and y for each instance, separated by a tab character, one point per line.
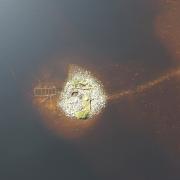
84	113
86	101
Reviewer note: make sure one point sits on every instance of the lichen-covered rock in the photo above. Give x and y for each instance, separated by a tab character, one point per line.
83	95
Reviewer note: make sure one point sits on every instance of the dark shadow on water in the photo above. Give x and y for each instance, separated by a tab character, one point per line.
117	149
119	31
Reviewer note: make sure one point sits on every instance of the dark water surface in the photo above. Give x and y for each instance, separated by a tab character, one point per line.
136	138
